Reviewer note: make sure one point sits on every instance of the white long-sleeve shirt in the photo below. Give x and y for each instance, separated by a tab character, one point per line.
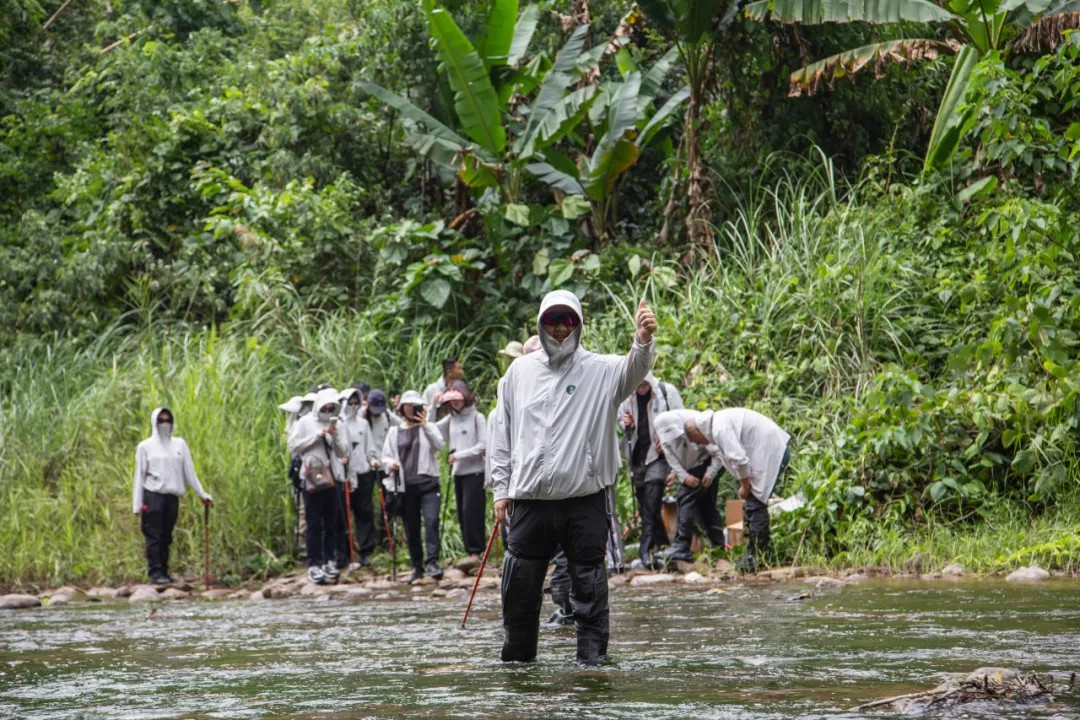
466	435
748	444
163	465
682	455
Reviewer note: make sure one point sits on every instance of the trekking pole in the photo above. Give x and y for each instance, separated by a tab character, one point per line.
206	547
348	522
479	573
389	535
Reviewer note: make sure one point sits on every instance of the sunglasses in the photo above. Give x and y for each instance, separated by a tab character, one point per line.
560	317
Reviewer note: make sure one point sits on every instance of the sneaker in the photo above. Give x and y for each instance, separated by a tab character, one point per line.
171	579
160	580
316	575
558	619
365	561
331	572
434	571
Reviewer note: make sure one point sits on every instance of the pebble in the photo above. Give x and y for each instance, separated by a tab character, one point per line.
695	577
1030	574
954	570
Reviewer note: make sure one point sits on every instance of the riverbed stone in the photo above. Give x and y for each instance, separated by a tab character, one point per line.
824	582
468	564
487	583
124	591
313	589
618	580
144	594
416	589
175	594
657	579
323	598
58	601
381	585
358	593
953	570
70	594
257	596
17	601
216	593
722	566
695	578
439	593
454	575
783	574
456	593
855	578
101	593
1030	574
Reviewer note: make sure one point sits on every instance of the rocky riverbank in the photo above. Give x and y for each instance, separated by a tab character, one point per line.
458	580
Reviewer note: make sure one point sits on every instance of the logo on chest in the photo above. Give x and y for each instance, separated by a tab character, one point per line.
570	389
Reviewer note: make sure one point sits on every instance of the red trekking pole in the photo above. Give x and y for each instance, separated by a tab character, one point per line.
480	572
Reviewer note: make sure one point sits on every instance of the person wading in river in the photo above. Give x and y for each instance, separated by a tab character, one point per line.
163	466
555	458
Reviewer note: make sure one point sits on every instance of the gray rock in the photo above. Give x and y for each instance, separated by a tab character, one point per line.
381	585
856	578
453	575
101	593
257	596
16	601
456	592
824	581
658	579
313	589
124	591
144	594
953	570
58	601
175	594
70	594
695	577
468	564
323	598
439	592
216	593
1031	574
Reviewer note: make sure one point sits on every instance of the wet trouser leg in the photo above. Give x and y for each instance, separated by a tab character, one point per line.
756	517
560	584
430	502
157	521
689	501
583	533
412	515
530	544
471	507
653	534
614	540
364	513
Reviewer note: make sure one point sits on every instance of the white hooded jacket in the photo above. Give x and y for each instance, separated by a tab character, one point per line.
358	436
664	397
163	465
554	431
750	446
681	454
307	439
466	435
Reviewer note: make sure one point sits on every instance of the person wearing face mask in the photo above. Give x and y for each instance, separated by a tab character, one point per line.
452	370
409	454
321	443
379	421
555	455
163	467
294	409
361	482
465	433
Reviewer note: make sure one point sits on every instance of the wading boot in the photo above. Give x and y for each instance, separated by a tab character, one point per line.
522	596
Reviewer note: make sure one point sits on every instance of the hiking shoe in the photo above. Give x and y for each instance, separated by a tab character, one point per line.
678	552
365	561
161	580
417	574
331	572
558	619
316	575
434	571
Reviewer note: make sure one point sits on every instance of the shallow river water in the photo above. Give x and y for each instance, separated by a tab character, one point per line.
679	652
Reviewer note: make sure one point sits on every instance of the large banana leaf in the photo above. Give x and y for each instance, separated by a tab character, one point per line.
876	56
558	79
550	175
623	111
436	140
475	101
653	78
502	16
948	127
812	12
605	166
523	32
687	19
659	119
566	115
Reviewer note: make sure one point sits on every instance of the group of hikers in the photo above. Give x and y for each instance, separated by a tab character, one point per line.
563	421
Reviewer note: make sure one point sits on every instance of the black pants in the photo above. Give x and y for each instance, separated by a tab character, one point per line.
650	495
363	524
421	510
756	517
697	507
157	521
323	516
472	511
537	529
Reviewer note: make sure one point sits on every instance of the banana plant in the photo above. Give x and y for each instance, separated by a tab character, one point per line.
977	27
625	123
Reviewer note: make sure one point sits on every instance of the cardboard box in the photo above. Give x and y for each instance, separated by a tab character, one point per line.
733	518
670	515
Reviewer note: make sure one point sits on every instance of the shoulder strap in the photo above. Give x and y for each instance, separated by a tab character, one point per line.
663	391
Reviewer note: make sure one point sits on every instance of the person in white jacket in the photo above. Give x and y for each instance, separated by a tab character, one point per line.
555	455
465	432
361	482
755	450
163	467
321	442
410	456
696	472
379	421
648	468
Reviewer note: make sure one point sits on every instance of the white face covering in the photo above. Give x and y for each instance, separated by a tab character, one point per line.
351	410
559	352
325	416
165	429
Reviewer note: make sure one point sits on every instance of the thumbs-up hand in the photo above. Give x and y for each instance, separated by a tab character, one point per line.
646	323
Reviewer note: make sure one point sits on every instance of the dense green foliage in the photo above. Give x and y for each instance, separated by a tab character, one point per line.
217	213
